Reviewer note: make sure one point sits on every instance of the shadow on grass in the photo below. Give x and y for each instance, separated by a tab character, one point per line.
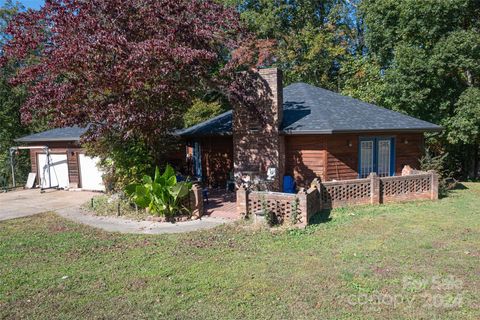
451	186
459	186
321	217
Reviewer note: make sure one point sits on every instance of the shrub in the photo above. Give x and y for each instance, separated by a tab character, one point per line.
295	211
122	161
268	215
438	163
161	195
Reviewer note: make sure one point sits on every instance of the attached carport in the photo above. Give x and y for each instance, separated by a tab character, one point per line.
50	176
64	163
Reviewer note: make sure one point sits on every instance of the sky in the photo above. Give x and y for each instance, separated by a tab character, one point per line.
34	4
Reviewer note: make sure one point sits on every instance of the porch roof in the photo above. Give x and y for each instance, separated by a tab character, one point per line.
311	110
216	126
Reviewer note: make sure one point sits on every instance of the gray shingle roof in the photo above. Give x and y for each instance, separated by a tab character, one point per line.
58	134
311	110
219	125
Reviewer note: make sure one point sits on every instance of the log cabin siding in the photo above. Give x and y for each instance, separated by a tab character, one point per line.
73	167
343	159
33	162
330	157
335	157
217	160
409	148
305	157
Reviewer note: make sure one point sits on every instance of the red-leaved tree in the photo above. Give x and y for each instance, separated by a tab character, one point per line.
125	67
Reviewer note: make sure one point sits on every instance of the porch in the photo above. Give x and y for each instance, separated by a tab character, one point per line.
336	157
221	204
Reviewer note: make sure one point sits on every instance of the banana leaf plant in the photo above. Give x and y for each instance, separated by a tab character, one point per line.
161	195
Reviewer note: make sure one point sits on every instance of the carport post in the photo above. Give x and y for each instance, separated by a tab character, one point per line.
12	151
12	162
47	152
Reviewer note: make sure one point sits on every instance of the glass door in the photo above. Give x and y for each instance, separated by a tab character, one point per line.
197	160
384	155
366	158
376	155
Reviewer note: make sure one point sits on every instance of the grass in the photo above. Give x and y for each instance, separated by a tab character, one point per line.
412	260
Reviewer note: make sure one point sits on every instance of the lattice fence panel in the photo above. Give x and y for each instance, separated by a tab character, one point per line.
403	186
341	193
280	204
352	191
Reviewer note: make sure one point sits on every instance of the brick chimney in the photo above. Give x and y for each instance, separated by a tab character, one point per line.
274	79
258	147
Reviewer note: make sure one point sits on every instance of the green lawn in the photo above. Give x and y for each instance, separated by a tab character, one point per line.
425	256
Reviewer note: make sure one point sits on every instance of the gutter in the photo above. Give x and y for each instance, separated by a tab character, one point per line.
304	132
76	139
321	132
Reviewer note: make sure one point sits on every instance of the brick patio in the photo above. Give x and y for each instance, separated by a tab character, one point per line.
221	204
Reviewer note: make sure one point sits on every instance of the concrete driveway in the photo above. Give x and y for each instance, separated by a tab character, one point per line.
67	204
24	203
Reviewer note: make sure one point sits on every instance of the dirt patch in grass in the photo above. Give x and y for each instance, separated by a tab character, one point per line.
58	226
137	284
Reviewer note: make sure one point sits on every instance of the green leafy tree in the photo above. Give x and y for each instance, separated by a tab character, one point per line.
201	111
465	124
426	62
11	100
362	78
313	55
313	36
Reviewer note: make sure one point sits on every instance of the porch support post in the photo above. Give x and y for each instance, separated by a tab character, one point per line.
242	201
302	208
196	200
434	185
374	188
12	167
317	184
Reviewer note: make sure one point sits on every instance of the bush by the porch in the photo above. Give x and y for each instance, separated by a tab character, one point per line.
161	195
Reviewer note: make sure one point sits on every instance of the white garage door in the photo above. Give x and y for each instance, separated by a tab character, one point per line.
90	174
58	171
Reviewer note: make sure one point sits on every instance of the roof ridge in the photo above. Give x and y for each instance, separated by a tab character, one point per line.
70	133
343	96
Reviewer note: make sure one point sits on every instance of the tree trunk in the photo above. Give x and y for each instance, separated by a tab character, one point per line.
475	161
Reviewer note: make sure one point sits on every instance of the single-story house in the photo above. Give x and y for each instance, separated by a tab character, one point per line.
70	167
311	132
308	133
